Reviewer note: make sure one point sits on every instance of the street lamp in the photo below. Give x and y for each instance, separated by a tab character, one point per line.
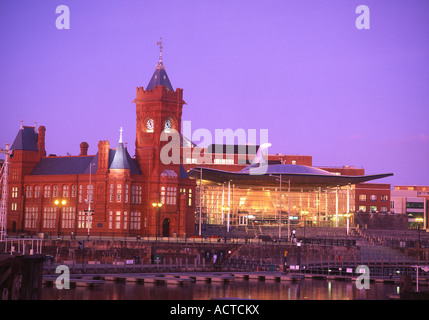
60	203
157	206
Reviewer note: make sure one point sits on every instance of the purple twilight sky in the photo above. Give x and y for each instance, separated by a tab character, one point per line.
300	69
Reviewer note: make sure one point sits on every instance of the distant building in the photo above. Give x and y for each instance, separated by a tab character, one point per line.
412	201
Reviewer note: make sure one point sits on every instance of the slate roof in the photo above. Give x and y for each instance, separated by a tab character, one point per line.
159	78
26	139
65	165
80	164
120	159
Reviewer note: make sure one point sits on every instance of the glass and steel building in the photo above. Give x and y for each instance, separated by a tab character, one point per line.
263	194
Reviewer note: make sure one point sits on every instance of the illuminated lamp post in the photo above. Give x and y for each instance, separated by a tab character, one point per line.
60	203
157	206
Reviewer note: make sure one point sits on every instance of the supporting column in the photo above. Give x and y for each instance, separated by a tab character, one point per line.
280	206
348	208
223	203
288	213
336	207
229	206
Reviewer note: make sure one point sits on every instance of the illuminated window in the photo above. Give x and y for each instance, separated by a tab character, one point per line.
118	193
66	190
190	198
126	194
373	197
14	192
68	217
83	220
28	191
37	191
171	195
362	197
110	219
111	193
80	193
49	217
31	215
47	191
162	195
118	220
55	191
125	221
135	220
74	191
90	193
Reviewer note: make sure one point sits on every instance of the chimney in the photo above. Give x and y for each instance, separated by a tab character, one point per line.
103	156
84	149
41	141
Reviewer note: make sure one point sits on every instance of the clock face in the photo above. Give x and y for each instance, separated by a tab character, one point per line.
149	124
167	125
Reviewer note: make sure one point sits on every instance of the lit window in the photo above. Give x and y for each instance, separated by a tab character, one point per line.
37	190
135	221
118	193
190	198
162	195
55	191
66	191
14	192
28	191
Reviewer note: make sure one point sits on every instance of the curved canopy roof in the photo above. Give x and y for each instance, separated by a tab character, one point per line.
284	169
268	175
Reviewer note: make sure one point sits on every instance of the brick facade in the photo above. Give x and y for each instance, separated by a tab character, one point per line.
118	190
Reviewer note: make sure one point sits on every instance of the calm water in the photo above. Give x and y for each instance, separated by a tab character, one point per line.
311	289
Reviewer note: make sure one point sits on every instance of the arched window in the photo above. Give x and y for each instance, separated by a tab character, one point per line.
74	191
37	191
118	193
29	191
47	191
55	191
162	195
66	189
111	193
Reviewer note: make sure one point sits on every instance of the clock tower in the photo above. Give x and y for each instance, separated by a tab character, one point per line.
159	112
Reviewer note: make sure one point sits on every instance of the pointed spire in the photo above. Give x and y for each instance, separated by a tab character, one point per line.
21	127
160	63
120	135
121	157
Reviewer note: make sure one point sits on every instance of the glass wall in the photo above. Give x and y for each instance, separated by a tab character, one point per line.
256	205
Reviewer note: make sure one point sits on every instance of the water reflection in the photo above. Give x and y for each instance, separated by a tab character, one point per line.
311	289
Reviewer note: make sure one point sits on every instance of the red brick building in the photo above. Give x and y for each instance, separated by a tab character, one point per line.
372	197
109	193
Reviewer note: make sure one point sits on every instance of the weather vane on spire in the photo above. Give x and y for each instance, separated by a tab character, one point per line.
159	43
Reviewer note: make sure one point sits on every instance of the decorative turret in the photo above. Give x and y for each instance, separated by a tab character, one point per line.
120	160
